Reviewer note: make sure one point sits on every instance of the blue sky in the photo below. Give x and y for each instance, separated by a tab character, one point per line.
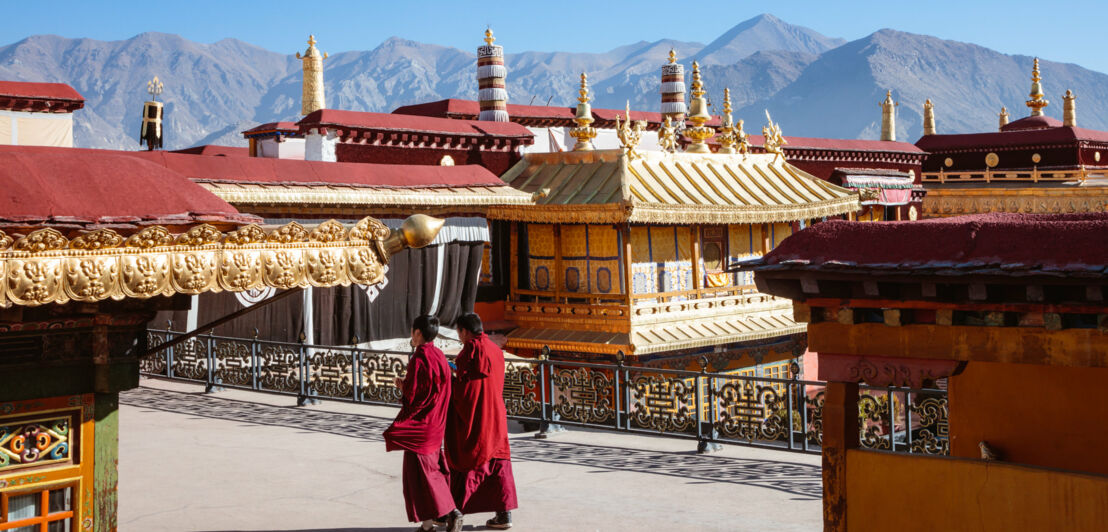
1071	31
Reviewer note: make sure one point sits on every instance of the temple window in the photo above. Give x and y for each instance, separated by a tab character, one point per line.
48	509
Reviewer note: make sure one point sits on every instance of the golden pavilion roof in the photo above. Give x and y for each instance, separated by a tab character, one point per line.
608	186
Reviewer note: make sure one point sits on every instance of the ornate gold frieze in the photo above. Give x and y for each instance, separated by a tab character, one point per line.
940	203
46	267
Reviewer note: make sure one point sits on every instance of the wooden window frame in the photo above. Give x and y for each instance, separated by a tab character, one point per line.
45	518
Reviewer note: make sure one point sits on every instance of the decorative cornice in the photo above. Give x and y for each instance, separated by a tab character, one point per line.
46	267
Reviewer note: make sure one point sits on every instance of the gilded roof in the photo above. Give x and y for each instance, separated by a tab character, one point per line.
607	186
659	338
243	194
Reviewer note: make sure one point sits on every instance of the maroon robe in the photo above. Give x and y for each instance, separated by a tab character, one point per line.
477	447
418	430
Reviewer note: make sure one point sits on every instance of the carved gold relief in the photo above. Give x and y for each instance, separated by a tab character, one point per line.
98	239
247	234
290	232
45	267
151	237
42	240
200	235
329	231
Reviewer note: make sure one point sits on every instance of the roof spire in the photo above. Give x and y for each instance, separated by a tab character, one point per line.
312	98
698	115
673	90
1036	103
491	89
1069	109
584	132
928	118
726	136
152	113
888	117
1003	118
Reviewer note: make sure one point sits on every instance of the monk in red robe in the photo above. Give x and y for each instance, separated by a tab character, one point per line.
477	446
419	428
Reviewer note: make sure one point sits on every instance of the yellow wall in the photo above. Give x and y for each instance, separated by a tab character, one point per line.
1032	414
902	492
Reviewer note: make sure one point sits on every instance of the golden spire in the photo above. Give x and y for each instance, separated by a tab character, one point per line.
1069	109
584	132
698	134
1003	117
888	117
672	56
928	118
726	136
1036	103
312	98
489	39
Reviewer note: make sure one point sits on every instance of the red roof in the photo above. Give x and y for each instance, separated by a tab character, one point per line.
272	127
1000	243
290	171
982	141
29	96
395	122
214	149
71	186
469	109
1032	122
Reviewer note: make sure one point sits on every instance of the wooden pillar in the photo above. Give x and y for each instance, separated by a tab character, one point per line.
899	211
513	261
840	433
625	232
697	275
766	242
559	273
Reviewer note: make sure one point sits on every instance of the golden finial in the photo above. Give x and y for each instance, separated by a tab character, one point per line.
1036	103
775	140
698	134
1003	117
726	136
584	132
489	39
629	135
742	140
312	97
928	118
154	87
888	117
672	56
1069	109
697	86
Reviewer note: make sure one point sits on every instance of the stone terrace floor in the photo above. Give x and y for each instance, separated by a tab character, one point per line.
243	461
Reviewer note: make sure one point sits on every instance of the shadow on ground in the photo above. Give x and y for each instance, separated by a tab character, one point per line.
803	480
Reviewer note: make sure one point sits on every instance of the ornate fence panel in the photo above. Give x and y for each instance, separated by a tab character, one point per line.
709	407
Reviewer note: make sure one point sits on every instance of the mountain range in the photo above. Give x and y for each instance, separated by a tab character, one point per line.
814	85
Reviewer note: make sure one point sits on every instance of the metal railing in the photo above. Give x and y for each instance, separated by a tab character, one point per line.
711	408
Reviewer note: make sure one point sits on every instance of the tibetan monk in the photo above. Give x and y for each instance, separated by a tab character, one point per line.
477	447
418	431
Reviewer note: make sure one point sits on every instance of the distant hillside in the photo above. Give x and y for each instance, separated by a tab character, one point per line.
813	84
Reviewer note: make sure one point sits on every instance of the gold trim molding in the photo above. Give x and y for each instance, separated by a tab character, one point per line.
939	203
46	267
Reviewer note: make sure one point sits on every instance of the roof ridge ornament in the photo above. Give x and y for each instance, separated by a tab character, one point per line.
888	117
630	134
584	132
774	139
726	136
698	115
928	118
1037	102
1003	118
312	96
667	136
1069	109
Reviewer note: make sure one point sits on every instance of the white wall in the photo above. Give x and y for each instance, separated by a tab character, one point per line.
20	128
606	139
287	148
